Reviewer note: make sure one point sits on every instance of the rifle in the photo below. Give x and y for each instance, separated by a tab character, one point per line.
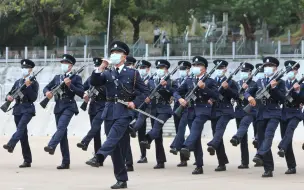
154	93
190	95
18	93
264	92
58	89
221	97
92	91
138	62
142	112
288	96
242	90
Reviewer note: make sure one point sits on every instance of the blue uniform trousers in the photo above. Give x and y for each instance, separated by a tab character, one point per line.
116	145
266	131
94	132
218	126
193	142
242	128
287	130
61	135
21	122
156	133
180	129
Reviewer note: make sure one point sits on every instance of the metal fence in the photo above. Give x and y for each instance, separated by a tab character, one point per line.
172	51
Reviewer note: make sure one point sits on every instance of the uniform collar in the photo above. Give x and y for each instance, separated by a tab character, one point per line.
120	68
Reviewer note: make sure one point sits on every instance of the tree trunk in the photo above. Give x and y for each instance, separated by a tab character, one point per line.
136	29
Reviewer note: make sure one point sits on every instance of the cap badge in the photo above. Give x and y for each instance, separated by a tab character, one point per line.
290	65
115	45
267	60
64	57
196	59
24	63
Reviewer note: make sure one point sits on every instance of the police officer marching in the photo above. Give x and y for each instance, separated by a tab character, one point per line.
243	120
185	119
223	112
163	110
141	122
65	107
121	84
23	110
97	97
269	113
199	109
291	116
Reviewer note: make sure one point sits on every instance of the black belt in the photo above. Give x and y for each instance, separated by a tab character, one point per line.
288	105
201	102
99	99
22	101
110	99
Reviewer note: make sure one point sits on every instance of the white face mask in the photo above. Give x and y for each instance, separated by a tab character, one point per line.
219	72
25	72
182	73
268	71
115	58
260	76
64	68
244	75
290	75
196	70
160	73
142	72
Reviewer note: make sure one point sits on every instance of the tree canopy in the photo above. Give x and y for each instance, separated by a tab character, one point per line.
41	22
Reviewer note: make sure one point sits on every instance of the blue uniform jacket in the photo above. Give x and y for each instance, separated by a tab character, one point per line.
76	88
115	83
96	105
201	105
277	96
224	107
293	109
162	106
239	109
30	96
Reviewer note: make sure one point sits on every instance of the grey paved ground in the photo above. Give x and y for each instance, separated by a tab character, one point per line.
43	174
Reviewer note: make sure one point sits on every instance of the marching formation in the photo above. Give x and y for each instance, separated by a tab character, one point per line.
122	93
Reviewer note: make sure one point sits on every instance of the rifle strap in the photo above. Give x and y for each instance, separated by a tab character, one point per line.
134	81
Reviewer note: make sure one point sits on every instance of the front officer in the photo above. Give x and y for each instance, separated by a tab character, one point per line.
23	111
291	117
96	108
121	84
163	111
222	113
65	107
243	120
269	114
180	126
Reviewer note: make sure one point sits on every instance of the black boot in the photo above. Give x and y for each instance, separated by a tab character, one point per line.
145	144
174	151
220	168
211	150
291	171
8	148
243	166
83	146
281	153
234	141
258	160
267	174
94	162
49	149
159	166
198	170
129	168
142	160
63	167
120	185
182	164
25	165
185	152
